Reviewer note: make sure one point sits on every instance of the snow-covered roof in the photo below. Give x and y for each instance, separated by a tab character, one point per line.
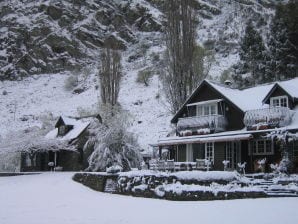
246	99
205	102
68	120
78	127
290	86
220	137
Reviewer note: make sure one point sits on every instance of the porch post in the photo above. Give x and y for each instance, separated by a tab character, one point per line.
159	152
55	159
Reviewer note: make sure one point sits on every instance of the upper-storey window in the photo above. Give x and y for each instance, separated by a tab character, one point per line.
279	101
206	110
62	130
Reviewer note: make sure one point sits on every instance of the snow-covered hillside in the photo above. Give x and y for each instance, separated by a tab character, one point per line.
76	37
42	99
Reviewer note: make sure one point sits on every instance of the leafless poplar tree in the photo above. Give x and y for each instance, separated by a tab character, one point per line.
183	62
110	75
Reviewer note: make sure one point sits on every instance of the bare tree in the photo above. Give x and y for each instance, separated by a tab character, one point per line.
110	73
183	60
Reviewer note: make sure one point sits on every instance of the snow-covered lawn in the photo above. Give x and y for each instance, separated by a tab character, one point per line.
55	198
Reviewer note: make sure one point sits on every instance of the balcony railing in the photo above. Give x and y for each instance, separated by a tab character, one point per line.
271	117
213	123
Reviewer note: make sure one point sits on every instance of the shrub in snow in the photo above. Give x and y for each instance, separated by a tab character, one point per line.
261	164
282	167
116	147
114	169
71	82
284	137
225	163
144	76
241	167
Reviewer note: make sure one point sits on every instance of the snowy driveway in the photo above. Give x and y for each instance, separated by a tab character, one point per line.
54	198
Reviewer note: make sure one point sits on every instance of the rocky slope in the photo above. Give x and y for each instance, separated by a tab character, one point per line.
44	36
52	37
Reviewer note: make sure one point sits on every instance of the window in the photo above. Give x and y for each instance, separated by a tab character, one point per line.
233	154
206	110
279	101
209	151
262	147
61	130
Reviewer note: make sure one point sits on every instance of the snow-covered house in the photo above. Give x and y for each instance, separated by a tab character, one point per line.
31	150
73	133
220	123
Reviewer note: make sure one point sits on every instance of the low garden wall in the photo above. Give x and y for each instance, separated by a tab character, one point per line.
96	181
179	186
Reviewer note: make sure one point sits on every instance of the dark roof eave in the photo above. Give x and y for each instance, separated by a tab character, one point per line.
273	89
175	118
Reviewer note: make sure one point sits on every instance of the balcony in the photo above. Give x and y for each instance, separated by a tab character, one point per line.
272	117
201	124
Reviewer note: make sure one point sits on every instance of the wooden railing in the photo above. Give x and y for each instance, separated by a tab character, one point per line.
215	123
271	117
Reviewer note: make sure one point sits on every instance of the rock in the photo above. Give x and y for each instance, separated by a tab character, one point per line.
78	90
54	12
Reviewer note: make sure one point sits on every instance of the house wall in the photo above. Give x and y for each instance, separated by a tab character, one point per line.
280	92
70	161
219	155
234	115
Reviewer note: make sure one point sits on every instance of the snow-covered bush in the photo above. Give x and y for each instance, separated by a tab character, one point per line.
225	163
114	169
144	76
71	82
282	167
116	147
241	167
283	137
261	164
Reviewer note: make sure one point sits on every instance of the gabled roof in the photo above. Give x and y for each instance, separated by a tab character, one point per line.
194	93
66	121
78	127
244	99
289	86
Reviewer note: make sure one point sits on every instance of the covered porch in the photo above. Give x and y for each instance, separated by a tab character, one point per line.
192	152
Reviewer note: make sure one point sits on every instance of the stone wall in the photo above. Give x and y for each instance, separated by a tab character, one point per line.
151	186
94	180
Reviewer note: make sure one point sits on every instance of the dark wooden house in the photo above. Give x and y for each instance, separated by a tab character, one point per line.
62	148
220	123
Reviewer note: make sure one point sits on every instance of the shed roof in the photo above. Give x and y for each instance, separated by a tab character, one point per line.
78	127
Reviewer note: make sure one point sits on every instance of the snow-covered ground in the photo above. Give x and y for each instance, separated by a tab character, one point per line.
55	198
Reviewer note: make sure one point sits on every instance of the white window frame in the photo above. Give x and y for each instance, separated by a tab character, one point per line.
209	146
202	106
279	98
266	142
233	154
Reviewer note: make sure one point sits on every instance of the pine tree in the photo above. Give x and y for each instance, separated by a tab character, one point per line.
282	60
252	54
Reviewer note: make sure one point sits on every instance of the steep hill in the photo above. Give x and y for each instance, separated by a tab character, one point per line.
49	41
